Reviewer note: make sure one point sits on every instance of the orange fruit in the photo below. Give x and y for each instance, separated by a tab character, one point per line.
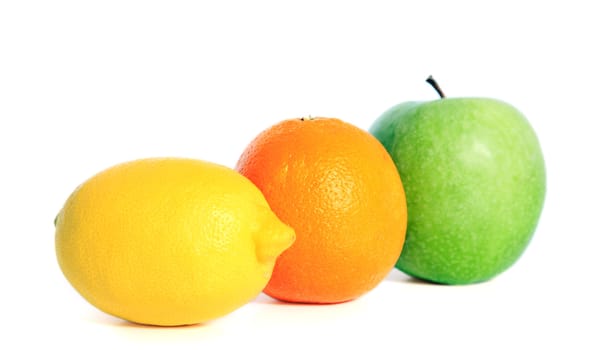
339	189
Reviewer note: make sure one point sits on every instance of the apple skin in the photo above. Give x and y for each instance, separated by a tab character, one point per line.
474	177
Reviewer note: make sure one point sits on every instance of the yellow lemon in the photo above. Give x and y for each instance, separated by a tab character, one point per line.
168	241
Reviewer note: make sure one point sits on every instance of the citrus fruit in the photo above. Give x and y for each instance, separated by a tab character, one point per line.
338	188
168	241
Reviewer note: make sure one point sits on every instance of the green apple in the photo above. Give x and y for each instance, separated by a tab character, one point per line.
474	177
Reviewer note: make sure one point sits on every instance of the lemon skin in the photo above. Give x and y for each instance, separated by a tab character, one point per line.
168	241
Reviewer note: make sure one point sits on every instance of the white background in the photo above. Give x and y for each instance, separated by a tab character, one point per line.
85	85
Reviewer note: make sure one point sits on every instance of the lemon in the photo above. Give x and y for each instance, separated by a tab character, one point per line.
168	241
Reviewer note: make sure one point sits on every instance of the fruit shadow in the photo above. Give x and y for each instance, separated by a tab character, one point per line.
112	321
267	300
400	277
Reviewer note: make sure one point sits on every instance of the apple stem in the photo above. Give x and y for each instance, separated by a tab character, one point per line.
434	84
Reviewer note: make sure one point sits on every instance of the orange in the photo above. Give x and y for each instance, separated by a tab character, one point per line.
338	188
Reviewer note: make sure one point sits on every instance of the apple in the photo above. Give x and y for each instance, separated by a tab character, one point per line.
474	177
